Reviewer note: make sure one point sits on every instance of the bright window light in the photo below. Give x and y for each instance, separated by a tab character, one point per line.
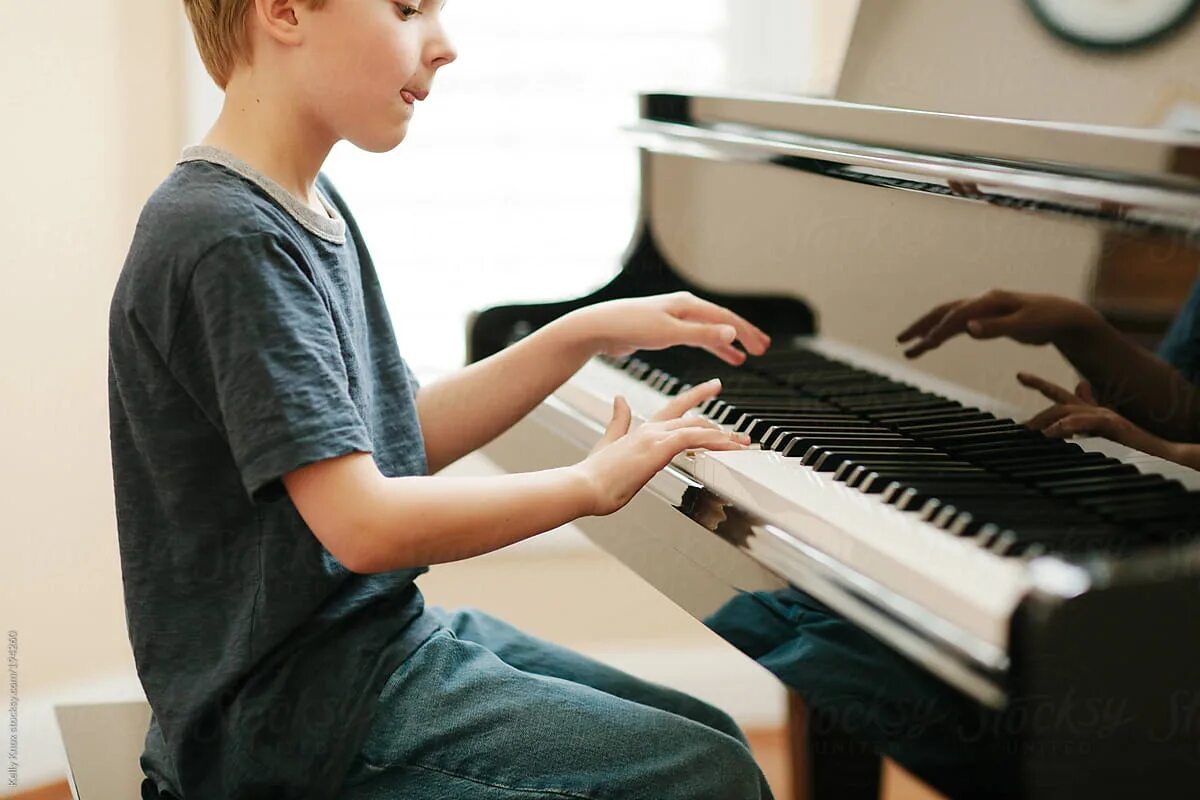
515	183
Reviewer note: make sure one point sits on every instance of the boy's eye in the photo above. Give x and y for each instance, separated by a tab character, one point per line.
407	11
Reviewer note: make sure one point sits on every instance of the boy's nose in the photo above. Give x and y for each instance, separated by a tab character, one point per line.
444	53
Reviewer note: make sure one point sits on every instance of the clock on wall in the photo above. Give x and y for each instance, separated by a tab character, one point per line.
1113	24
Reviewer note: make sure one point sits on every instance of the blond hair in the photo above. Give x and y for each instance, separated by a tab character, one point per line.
220	30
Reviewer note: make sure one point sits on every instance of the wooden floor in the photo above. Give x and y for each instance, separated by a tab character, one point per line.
770	747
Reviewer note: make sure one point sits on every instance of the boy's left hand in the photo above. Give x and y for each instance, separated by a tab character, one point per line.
620	327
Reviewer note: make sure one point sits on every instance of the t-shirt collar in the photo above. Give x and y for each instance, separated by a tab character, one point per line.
331	227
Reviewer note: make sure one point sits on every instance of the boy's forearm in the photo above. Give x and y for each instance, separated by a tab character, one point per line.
1134	381
418	521
466	409
1182	453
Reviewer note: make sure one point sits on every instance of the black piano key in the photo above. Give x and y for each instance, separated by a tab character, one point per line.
791	445
956	412
875	481
826	460
895	460
756	426
929	428
1105	486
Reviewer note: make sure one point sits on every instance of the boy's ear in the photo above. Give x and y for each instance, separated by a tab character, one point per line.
279	20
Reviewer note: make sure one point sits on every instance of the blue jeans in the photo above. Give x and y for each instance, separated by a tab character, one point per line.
484	711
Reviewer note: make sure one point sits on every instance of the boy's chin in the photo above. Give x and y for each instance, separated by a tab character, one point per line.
381	141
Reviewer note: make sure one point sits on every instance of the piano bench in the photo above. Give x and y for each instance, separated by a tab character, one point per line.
103	743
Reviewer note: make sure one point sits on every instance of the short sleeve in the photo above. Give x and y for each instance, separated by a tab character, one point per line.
1181	346
412	376
257	347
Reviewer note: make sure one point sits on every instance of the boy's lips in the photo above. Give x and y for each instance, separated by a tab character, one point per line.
411	96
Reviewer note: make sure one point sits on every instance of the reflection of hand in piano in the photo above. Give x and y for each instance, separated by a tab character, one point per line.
1144	402
1027	318
1079	414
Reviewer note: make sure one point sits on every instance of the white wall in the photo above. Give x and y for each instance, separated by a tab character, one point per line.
90	125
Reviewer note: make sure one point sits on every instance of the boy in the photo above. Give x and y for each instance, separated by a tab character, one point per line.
272	456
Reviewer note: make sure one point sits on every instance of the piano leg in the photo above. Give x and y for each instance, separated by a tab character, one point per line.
797	726
827	762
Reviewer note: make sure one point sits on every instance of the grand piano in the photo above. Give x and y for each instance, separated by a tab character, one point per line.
1002	614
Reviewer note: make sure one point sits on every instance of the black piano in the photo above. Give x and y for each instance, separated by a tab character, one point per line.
1000	613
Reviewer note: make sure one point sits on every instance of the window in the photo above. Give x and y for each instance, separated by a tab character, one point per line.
515	183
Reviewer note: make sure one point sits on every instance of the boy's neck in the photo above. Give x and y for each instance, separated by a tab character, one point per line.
271	136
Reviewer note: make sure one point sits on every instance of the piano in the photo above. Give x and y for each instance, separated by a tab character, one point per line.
1003	614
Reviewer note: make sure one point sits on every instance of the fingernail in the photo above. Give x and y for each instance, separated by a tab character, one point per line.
713	382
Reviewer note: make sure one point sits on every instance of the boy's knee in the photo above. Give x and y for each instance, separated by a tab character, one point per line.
724	723
721	768
736	773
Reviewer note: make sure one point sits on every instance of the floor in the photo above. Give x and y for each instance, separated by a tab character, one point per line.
771	747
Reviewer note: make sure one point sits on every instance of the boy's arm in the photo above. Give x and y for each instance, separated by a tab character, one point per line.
372	523
465	410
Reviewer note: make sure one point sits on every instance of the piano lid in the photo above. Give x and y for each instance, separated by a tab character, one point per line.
842	204
1168	158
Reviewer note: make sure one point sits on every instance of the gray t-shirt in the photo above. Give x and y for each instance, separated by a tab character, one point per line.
248	336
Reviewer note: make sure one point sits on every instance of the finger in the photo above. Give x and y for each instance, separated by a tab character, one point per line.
753	338
716	339
955	321
1083	390
993	328
699	439
669	425
706	334
1048	417
685	401
1052	392
729	354
964	188
1082	422
927	321
618	426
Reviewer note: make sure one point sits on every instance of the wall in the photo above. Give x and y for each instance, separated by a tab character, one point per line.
90	126
994	58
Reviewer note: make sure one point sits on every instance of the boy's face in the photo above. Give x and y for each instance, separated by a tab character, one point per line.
364	60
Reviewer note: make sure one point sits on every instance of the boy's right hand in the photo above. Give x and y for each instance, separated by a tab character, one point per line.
624	460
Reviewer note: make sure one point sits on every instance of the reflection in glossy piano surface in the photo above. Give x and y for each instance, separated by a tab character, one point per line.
1001	612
